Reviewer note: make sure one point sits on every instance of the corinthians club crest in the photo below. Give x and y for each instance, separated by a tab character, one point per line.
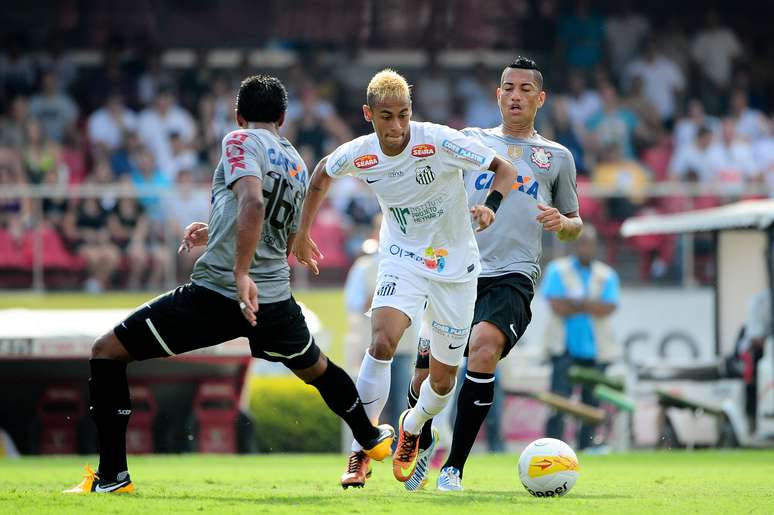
424	175
541	157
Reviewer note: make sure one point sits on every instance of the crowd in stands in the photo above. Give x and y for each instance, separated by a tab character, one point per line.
636	107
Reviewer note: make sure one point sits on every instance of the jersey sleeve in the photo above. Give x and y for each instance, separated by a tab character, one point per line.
339	163
458	150
565	192
242	157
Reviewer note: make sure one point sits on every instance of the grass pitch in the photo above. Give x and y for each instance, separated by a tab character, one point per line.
658	482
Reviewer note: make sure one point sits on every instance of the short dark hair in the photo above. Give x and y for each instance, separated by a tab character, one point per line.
525	63
261	98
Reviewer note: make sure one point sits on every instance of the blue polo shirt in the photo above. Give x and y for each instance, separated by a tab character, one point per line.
579	329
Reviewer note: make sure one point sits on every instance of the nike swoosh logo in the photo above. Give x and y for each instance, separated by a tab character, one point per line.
369	402
110	488
513	330
423	409
369	181
479	403
458	346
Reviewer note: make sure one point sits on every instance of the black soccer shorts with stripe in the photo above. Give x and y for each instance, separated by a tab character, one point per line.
193	317
505	302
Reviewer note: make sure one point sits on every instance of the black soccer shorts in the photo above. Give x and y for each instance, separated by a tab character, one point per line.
505	302
193	317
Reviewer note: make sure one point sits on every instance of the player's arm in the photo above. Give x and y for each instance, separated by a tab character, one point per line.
249	224
563	218
304	248
567	227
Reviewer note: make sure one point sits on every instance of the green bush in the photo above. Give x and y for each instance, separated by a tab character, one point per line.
290	416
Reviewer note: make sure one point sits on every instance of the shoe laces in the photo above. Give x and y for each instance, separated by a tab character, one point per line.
408	446
355	462
452	476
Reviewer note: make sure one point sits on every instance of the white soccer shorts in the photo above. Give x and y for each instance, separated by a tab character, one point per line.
449	308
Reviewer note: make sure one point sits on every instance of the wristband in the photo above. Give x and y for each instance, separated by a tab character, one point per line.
493	200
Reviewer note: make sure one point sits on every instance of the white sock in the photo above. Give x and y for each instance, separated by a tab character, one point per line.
429	405
373	386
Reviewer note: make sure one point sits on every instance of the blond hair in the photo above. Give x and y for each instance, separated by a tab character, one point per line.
387	85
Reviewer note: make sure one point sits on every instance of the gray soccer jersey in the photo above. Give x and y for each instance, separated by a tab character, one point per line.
257	153
546	174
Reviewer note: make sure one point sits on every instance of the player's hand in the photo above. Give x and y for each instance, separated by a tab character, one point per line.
248	298
307	253
483	215
551	218
195	235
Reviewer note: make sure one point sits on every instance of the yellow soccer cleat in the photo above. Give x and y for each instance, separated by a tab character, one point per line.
382	446
92	484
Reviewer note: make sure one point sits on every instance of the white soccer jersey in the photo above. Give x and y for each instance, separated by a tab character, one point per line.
426	224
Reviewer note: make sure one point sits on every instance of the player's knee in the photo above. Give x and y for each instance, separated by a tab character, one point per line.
444	384
486	347
382	346
419	377
484	356
108	346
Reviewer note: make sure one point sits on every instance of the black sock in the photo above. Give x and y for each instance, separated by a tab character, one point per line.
475	398
340	394
110	408
426	435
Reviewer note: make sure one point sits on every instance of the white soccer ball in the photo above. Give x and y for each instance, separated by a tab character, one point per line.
548	468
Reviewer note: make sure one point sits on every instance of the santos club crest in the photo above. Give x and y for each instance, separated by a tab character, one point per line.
541	157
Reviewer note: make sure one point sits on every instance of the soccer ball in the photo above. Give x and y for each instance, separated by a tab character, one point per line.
548	468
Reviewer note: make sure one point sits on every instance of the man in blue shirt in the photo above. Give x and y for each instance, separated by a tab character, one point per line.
582	292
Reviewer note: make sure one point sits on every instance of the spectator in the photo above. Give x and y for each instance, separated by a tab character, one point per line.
693	161
582	101
732	159
687	127
314	123
625	31
41	155
476	89
614	124
763	152
582	37
560	129
108	125
12	127
644	109
624	175
750	123
55	109
159	122
15	212
86	231
153	80
714	50
188	204
663	81
434	93
183	157
131	232
145	174
582	292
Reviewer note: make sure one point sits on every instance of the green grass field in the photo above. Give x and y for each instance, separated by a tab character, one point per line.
663	482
